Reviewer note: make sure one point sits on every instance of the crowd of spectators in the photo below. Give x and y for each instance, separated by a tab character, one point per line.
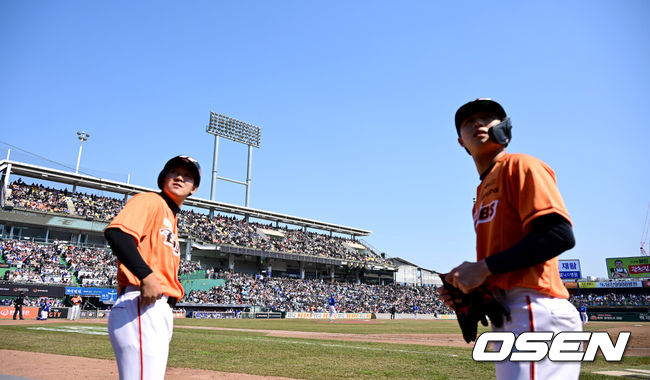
223	230
35	263
46	199
220	230
610	299
289	294
64	263
188	267
93	267
38	197
96	207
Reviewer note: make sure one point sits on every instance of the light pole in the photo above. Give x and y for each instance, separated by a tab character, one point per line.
236	131
82	136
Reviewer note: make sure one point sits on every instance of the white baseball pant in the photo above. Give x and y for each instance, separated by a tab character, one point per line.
140	335
75	311
534	311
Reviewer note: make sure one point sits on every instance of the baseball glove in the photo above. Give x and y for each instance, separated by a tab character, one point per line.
474	307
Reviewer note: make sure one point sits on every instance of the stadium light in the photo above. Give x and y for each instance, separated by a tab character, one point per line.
237	131
234	130
82	136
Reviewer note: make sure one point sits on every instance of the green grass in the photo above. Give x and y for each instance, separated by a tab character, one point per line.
254	353
319	359
359	327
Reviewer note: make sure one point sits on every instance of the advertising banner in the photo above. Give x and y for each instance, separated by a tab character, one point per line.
58	312
213	314
7	312
610	284
619	316
628	267
105	294
570	269
32	290
88	314
310	315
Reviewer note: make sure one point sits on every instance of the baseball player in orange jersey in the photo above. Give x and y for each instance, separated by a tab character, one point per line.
144	238
76	306
521	226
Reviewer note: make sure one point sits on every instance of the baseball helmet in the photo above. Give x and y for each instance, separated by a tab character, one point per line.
190	163
478	105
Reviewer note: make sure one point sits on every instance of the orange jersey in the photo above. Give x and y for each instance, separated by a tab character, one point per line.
518	189
151	222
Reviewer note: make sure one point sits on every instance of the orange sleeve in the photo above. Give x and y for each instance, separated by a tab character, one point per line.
135	216
536	192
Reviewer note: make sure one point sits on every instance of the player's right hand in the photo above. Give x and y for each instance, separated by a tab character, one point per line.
150	290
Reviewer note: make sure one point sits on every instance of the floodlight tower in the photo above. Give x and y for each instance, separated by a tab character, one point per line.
237	131
82	136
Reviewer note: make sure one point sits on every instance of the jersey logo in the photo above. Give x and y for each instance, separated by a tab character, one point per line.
171	241
485	214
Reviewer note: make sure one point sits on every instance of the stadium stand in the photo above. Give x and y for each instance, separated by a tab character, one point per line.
31	262
67	263
221	230
64	257
611	299
287	294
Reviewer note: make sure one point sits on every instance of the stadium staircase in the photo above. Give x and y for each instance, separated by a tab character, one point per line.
64	265
71	208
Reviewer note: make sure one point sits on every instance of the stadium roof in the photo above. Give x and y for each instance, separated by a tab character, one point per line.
88	181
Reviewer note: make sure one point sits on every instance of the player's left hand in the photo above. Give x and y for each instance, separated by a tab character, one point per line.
468	276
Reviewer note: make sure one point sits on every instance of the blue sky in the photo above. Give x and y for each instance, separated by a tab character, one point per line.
355	101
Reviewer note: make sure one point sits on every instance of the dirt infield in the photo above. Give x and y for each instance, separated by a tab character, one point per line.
49	365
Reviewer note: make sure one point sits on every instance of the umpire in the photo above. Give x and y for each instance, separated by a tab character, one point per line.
18	305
